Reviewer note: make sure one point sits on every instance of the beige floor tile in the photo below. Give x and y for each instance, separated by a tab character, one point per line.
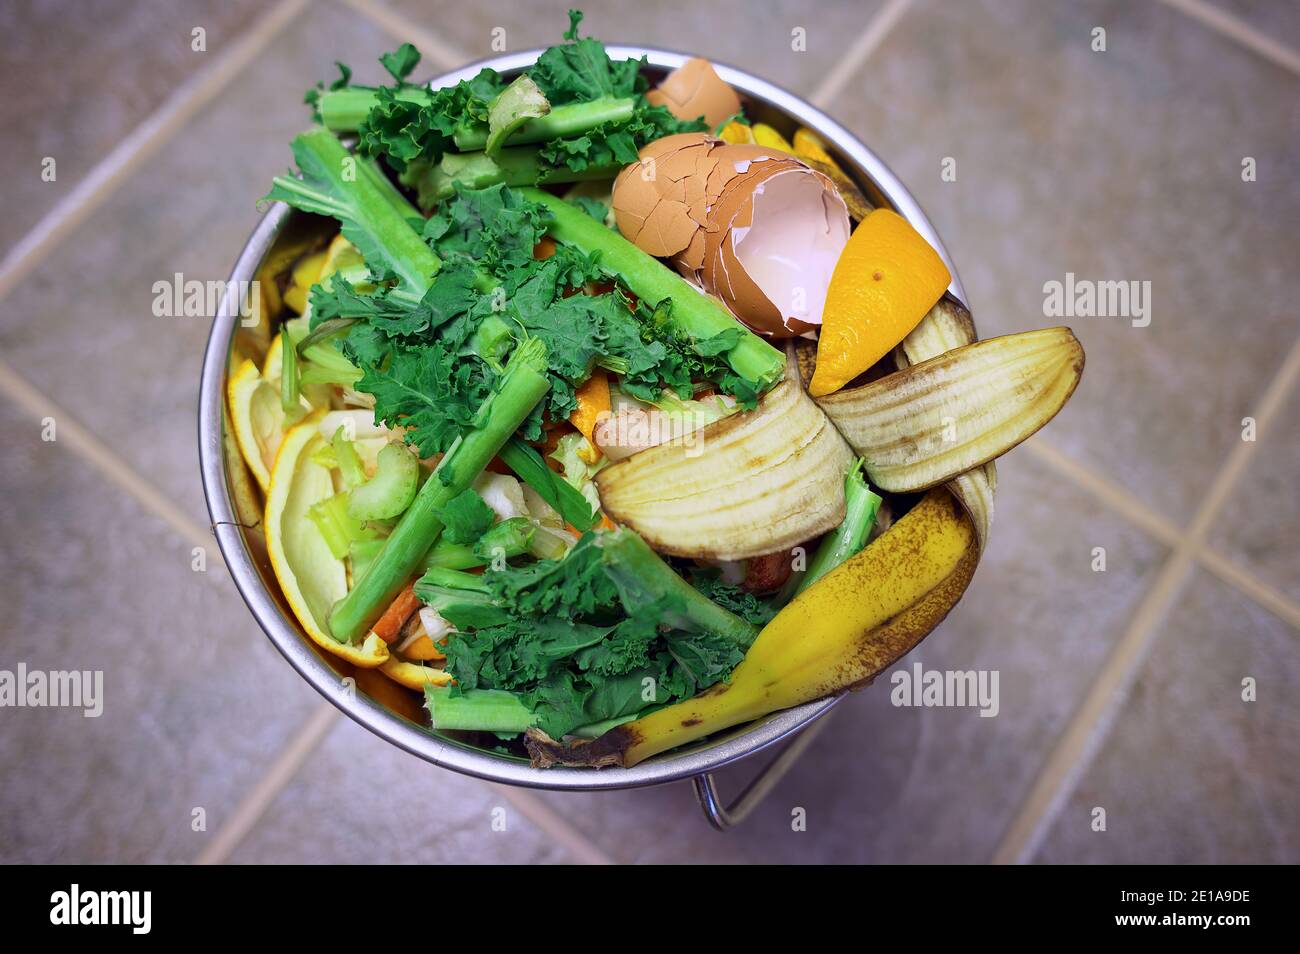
1277	19
81	327
888	784
1190	773
360	800
79	75
1260	527
195	702
1122	165
755	36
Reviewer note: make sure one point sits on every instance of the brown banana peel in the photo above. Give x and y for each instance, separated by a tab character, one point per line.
949	326
928	423
750	484
838	635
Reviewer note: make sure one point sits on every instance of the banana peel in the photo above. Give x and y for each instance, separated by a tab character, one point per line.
928	423
838	635
949	326
750	484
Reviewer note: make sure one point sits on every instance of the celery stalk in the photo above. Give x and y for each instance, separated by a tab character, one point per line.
483	710
694	315
849	537
522	385
342	110
642	577
515	166
561	122
375	218
391	490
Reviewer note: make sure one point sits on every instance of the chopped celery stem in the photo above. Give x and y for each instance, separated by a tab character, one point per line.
694	316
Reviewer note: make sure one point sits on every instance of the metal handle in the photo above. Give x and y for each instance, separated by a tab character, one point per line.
723	817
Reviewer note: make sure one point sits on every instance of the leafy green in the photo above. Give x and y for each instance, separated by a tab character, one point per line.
518	103
576	646
411	127
402	129
466	517
581	70
401	61
528	464
741	602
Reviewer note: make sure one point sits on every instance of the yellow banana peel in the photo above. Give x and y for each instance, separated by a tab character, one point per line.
838	635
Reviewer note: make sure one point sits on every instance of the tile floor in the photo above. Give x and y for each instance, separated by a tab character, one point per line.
1122	164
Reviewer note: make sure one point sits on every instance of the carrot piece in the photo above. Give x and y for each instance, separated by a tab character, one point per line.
593	401
424	650
544	249
389	625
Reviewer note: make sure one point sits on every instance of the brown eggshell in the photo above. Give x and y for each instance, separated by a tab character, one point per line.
694	89
633	200
733	216
667	230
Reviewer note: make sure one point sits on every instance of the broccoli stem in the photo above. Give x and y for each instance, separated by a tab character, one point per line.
482	710
523	384
642	578
515	166
342	110
849	537
561	122
375	217
694	316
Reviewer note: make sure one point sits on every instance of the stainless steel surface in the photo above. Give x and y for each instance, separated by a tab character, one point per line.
722	816
278	623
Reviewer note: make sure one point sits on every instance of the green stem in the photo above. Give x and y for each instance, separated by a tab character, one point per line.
374	216
515	166
694	315
342	110
850	536
560	123
482	710
528	465
522	385
642	578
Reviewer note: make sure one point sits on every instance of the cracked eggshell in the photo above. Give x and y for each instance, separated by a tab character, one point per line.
694	89
650	196
784	226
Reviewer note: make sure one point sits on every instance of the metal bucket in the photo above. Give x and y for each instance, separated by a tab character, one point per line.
765	103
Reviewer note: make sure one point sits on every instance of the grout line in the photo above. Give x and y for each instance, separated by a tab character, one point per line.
1163	530
69	431
141	143
1276	603
552	823
254	805
1090	724
1266	409
400	27
878	27
1107	491
1239	31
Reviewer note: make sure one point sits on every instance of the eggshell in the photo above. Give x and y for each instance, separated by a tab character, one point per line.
659	177
754	226
756	269
694	89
